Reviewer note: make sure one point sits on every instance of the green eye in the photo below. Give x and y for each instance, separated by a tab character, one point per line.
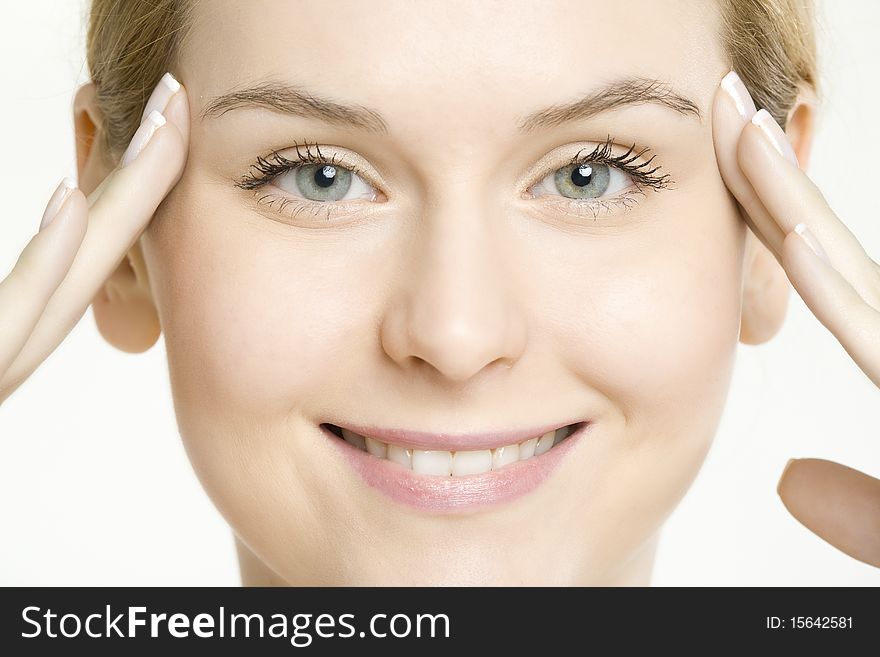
600	180
586	180
323	182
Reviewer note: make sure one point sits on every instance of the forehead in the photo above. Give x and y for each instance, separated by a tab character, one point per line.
437	58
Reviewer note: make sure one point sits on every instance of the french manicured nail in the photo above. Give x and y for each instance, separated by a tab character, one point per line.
58	197
742	99
141	138
166	88
775	135
808	237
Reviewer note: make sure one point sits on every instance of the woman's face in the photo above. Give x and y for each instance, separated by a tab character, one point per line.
465	279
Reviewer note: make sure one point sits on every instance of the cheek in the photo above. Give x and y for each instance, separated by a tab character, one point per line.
652	321
651	324
251	315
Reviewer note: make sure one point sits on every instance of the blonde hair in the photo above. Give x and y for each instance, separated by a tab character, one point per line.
769	43
129	46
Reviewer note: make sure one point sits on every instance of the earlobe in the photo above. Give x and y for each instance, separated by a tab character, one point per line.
123	308
766	290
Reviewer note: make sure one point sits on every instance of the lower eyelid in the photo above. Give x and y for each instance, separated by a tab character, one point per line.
290	207
293	207
624	201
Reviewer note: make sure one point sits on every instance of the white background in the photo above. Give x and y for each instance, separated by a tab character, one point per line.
95	487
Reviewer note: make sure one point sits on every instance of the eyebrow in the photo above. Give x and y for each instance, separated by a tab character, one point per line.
291	99
297	101
618	93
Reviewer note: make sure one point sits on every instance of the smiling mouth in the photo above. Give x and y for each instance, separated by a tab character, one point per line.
456	463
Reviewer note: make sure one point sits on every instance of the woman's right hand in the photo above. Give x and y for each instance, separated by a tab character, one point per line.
82	240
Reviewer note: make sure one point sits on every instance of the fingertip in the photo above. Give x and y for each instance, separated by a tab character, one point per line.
760	160
727	126
791	251
56	244
745	147
837	503
79	209
177	113
782	476
735	90
162	157
68	212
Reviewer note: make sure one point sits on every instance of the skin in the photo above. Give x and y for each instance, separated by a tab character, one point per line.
453	304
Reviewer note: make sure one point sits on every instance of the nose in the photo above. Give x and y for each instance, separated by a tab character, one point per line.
457	310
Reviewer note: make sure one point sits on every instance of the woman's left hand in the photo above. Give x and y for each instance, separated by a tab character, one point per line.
836	279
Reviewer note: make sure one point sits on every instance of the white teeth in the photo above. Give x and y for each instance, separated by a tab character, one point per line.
471	462
354	438
502	456
459	463
376	447
544	443
527	449
434	462
400	455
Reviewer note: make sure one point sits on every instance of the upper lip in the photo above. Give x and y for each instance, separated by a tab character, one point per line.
452	441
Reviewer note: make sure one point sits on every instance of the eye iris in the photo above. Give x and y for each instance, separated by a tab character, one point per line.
587	180
323	182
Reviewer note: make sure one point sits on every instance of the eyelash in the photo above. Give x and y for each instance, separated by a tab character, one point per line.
643	176
275	164
270	167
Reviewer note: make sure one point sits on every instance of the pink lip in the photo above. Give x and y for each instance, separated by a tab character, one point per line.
451	494
451	441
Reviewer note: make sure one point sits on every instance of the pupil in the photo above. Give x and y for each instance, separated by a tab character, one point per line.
582	175
325	176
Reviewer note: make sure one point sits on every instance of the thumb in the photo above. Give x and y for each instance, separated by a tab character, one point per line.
837	503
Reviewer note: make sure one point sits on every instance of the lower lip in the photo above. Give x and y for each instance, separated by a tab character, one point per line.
456	494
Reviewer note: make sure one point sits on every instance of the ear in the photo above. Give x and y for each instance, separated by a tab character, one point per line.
123	308
766	286
765	294
801	125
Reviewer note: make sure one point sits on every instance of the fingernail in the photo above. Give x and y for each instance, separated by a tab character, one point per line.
166	88
782	476
742	99
58	197
775	135
141	138
808	237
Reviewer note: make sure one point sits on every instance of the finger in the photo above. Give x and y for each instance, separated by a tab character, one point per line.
792	198
839	504
774	196
119	212
835	303
40	268
176	109
732	109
